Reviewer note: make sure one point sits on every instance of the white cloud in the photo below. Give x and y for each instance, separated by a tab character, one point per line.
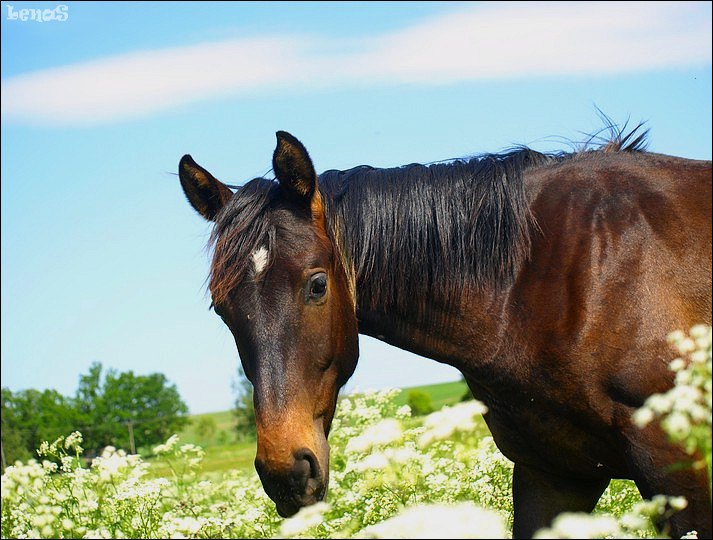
487	41
533	38
142	82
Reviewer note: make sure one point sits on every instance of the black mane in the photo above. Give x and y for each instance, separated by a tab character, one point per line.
409	233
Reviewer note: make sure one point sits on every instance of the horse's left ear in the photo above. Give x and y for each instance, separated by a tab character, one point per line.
293	167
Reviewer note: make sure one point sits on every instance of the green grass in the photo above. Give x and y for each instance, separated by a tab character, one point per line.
218	459
224	432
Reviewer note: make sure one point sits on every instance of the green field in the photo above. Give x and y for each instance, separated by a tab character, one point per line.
441	394
224	422
225	451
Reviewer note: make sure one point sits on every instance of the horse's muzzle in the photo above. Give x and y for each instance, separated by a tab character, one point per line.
302	485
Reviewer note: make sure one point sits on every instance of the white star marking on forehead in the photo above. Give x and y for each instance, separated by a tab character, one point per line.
260	257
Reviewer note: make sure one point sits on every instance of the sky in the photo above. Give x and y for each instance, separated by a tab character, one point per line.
102	258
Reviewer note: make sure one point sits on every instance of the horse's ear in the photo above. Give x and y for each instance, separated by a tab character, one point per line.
293	167
205	193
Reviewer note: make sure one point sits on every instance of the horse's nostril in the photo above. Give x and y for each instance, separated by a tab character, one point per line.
306	461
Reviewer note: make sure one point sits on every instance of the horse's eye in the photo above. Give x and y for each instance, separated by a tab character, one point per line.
317	286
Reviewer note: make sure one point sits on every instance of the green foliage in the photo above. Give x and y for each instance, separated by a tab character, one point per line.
149	402
420	402
102	408
223	437
30	417
244	408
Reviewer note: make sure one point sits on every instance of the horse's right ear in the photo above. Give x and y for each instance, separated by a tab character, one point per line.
293	167
205	193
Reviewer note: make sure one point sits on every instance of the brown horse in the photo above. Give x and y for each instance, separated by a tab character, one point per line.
549	281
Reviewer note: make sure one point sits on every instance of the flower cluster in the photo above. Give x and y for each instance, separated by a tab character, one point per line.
391	475
460	520
629	525
685	410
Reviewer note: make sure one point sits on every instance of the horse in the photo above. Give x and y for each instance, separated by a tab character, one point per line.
549	280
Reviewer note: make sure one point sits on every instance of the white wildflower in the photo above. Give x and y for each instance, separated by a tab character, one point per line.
677	424
677	336
49	466
344	407
167	447
699	357
375	461
442	424
462	520
686	345
701	331
677	365
633	522
580	525
305	519
659	403
702	336
385	432
403	412
402	454
642	417
73	441
67	463
186	524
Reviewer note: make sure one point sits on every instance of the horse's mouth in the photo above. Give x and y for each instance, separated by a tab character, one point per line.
288	508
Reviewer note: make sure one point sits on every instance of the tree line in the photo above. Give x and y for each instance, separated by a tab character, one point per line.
120	409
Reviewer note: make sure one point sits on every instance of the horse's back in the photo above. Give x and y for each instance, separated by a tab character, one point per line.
622	258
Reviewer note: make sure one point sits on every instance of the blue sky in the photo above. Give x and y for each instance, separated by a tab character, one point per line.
104	260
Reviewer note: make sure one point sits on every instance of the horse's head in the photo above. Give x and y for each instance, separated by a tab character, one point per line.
278	284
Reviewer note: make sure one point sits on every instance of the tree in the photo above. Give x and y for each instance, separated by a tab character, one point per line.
30	417
244	408
104	409
14	444
147	404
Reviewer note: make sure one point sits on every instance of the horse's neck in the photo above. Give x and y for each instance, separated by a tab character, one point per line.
418	280
471	336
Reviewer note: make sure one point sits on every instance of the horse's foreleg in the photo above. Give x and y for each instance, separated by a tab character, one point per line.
539	497
660	467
